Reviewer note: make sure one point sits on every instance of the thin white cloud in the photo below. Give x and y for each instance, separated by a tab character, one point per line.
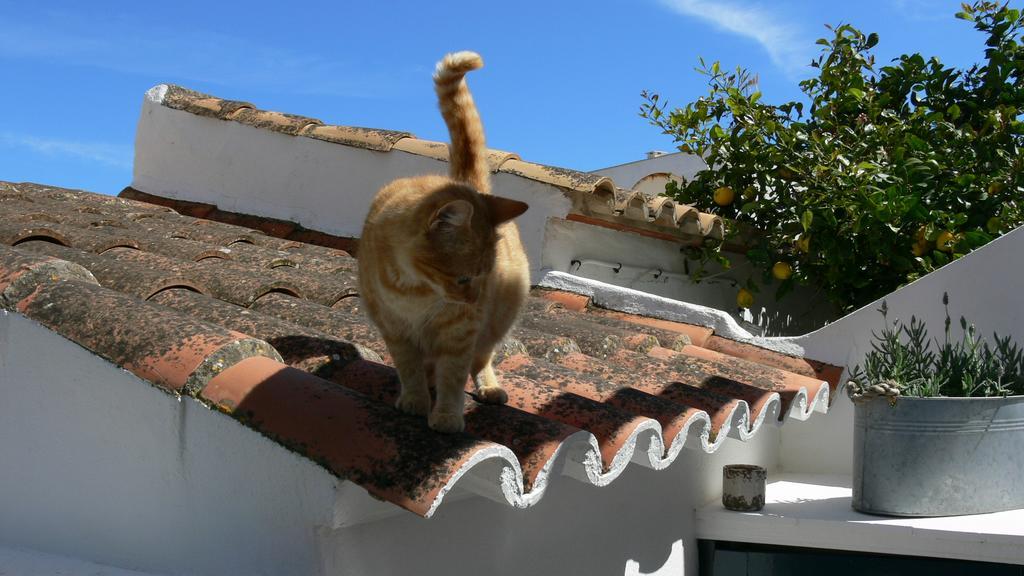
109	154
127	45
927	10
785	45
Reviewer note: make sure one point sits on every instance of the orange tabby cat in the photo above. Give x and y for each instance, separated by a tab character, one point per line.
441	269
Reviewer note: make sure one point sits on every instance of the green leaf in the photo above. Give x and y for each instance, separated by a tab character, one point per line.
916	143
750	207
882	153
806	219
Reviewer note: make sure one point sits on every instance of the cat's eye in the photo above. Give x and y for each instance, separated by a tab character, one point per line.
462	280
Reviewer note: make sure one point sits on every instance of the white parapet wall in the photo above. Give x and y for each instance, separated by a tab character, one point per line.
986	287
659	267
318	184
676	163
327	186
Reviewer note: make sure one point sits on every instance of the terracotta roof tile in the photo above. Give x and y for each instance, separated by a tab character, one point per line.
804	366
137	281
201	104
289	124
356	438
294	234
170	350
379	140
496	159
310	350
21	273
596	197
270	332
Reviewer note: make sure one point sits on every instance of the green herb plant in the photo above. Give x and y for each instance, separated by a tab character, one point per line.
903	361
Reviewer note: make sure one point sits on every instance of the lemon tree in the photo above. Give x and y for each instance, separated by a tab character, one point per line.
880	175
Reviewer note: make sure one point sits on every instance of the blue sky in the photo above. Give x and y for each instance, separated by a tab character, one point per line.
561	84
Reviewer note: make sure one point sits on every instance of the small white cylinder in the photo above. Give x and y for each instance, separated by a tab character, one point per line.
743	487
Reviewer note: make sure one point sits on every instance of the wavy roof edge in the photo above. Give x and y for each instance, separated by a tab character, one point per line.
604	199
205	326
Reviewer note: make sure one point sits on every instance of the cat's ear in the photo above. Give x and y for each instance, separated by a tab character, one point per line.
455	214
504	209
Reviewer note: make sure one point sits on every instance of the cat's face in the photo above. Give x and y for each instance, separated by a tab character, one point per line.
457	250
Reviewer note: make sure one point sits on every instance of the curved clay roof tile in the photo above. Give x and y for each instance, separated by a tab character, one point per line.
370	138
560	177
173	351
201	104
22	271
139	281
289	124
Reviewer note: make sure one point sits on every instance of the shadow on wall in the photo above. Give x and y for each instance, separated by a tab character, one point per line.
799	312
637	525
780	322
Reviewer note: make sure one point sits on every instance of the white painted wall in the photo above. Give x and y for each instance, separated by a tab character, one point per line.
986	286
676	163
320	185
658	267
100	466
329	187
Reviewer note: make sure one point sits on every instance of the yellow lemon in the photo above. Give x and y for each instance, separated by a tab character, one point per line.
994	224
782	270
744	298
724	196
995	188
920	248
785	173
945	241
803	244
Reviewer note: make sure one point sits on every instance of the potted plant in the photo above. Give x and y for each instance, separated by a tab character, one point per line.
939	425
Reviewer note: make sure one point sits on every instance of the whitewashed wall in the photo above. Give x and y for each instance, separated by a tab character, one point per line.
658	267
320	185
329	187
986	286
101	466
677	163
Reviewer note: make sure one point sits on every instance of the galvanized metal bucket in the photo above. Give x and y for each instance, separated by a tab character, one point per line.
938	456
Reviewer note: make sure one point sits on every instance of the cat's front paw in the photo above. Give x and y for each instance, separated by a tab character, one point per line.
492	395
417	405
446	423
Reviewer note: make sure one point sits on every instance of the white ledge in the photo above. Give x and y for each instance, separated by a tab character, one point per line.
815	512
33	563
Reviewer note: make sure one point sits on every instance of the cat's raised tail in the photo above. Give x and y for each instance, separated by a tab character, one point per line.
467	151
